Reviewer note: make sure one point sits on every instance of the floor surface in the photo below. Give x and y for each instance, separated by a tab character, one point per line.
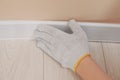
22	60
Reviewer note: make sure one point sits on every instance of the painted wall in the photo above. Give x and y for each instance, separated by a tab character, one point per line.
83	10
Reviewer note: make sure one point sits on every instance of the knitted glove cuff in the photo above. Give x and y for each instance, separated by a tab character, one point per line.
79	61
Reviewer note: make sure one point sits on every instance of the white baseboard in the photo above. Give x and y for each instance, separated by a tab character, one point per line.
24	30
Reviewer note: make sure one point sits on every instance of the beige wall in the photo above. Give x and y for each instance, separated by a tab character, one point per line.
83	10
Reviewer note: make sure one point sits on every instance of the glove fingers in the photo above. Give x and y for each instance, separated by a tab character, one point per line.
51	30
44	46
49	50
40	44
47	39
43	35
75	27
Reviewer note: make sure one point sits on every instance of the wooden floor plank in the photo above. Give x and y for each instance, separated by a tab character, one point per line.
96	52
54	71
20	60
112	58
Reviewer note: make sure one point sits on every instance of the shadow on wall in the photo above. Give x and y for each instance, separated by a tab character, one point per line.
112	14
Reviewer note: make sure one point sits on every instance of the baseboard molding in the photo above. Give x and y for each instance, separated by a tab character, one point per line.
17	29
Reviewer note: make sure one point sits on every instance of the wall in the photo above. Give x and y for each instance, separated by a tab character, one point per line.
83	10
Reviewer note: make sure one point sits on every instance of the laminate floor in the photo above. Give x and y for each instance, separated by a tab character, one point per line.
22	60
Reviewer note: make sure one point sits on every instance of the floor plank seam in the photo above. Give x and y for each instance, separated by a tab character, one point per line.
43	66
104	58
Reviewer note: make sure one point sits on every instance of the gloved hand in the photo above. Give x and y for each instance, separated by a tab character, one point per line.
68	49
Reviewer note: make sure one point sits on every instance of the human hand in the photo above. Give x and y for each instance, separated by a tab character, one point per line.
67	49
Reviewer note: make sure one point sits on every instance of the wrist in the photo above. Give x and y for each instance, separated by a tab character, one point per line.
89	70
78	62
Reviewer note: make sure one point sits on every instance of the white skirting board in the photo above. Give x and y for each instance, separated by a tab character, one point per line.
19	29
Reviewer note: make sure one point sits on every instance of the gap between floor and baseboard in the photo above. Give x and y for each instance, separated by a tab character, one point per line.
20	29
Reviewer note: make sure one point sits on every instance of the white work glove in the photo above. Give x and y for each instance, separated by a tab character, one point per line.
67	49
